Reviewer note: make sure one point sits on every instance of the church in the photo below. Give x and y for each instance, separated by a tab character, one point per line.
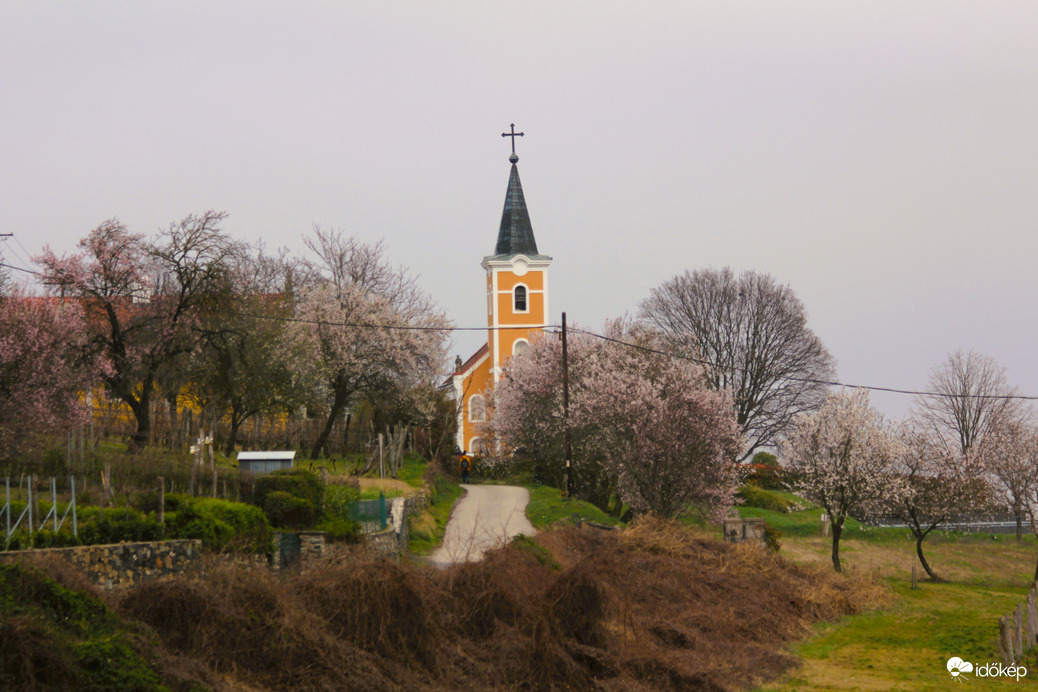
517	307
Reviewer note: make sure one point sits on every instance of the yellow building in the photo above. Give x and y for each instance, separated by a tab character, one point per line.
517	306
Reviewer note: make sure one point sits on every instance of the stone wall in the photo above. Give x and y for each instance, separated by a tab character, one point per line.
392	542
383	543
121	564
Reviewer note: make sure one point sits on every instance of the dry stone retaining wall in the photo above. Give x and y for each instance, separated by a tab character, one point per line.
120	564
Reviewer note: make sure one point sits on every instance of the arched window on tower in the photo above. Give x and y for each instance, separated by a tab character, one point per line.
519	299
477	408
519	346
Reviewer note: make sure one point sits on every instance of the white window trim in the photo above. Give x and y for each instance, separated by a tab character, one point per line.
472	400
526	289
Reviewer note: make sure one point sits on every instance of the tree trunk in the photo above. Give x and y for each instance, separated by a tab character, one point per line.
837	530
237	418
1019	525
337	406
919	551
142	412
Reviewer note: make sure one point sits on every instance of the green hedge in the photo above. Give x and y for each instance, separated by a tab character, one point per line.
754	496
336	520
291	498
121	525
222	525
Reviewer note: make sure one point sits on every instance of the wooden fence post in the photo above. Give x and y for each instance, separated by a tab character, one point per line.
1032	621
162	500
1018	631
1005	640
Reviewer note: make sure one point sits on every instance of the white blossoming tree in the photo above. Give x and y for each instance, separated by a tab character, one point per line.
362	326
939	483
1007	454
844	457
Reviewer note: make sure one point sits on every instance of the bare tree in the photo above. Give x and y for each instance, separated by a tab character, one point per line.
968	397
751	333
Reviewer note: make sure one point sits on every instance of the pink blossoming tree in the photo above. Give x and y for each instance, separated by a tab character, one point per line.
42	372
142	299
644	426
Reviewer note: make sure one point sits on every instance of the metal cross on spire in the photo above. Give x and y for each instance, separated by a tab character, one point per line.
513	135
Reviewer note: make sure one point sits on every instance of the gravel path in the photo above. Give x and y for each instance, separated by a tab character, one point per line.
488	516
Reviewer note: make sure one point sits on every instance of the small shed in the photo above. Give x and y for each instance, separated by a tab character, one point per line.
264	462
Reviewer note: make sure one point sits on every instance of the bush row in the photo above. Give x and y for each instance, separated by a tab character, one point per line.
294	499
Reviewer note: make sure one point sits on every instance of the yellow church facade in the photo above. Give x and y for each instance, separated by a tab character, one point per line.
517	309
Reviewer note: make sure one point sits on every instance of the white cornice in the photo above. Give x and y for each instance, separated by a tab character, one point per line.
520	264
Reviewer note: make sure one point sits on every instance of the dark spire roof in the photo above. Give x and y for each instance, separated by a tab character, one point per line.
516	234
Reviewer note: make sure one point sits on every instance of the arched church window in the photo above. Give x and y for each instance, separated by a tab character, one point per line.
519	346
520	298
477	408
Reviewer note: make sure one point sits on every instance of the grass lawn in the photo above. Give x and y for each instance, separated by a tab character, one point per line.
426	530
547	506
905	643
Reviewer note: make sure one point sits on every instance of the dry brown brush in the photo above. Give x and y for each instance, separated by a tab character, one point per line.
649	608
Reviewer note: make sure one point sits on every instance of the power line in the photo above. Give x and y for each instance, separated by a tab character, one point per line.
21	269
24	260
555	329
828	383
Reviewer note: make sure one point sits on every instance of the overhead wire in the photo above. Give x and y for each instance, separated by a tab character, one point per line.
551	328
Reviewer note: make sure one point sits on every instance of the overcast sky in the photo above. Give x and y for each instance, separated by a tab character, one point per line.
880	157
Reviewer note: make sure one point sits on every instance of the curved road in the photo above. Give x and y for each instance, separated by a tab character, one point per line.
487	517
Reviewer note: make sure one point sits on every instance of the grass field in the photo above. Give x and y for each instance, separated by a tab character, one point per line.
547	506
905	643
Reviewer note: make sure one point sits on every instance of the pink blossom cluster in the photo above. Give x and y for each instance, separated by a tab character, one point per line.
643	425
42	375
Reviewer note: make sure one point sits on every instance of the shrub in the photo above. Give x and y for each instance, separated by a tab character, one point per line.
298	482
174	500
288	511
764	499
120	525
339	529
771	538
764	472
64	538
337	500
222	524
337	522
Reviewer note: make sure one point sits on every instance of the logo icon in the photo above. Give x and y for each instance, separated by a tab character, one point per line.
956	666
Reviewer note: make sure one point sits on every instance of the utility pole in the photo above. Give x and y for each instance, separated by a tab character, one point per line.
570	489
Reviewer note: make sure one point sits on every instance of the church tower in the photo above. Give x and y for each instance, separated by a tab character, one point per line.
517	306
